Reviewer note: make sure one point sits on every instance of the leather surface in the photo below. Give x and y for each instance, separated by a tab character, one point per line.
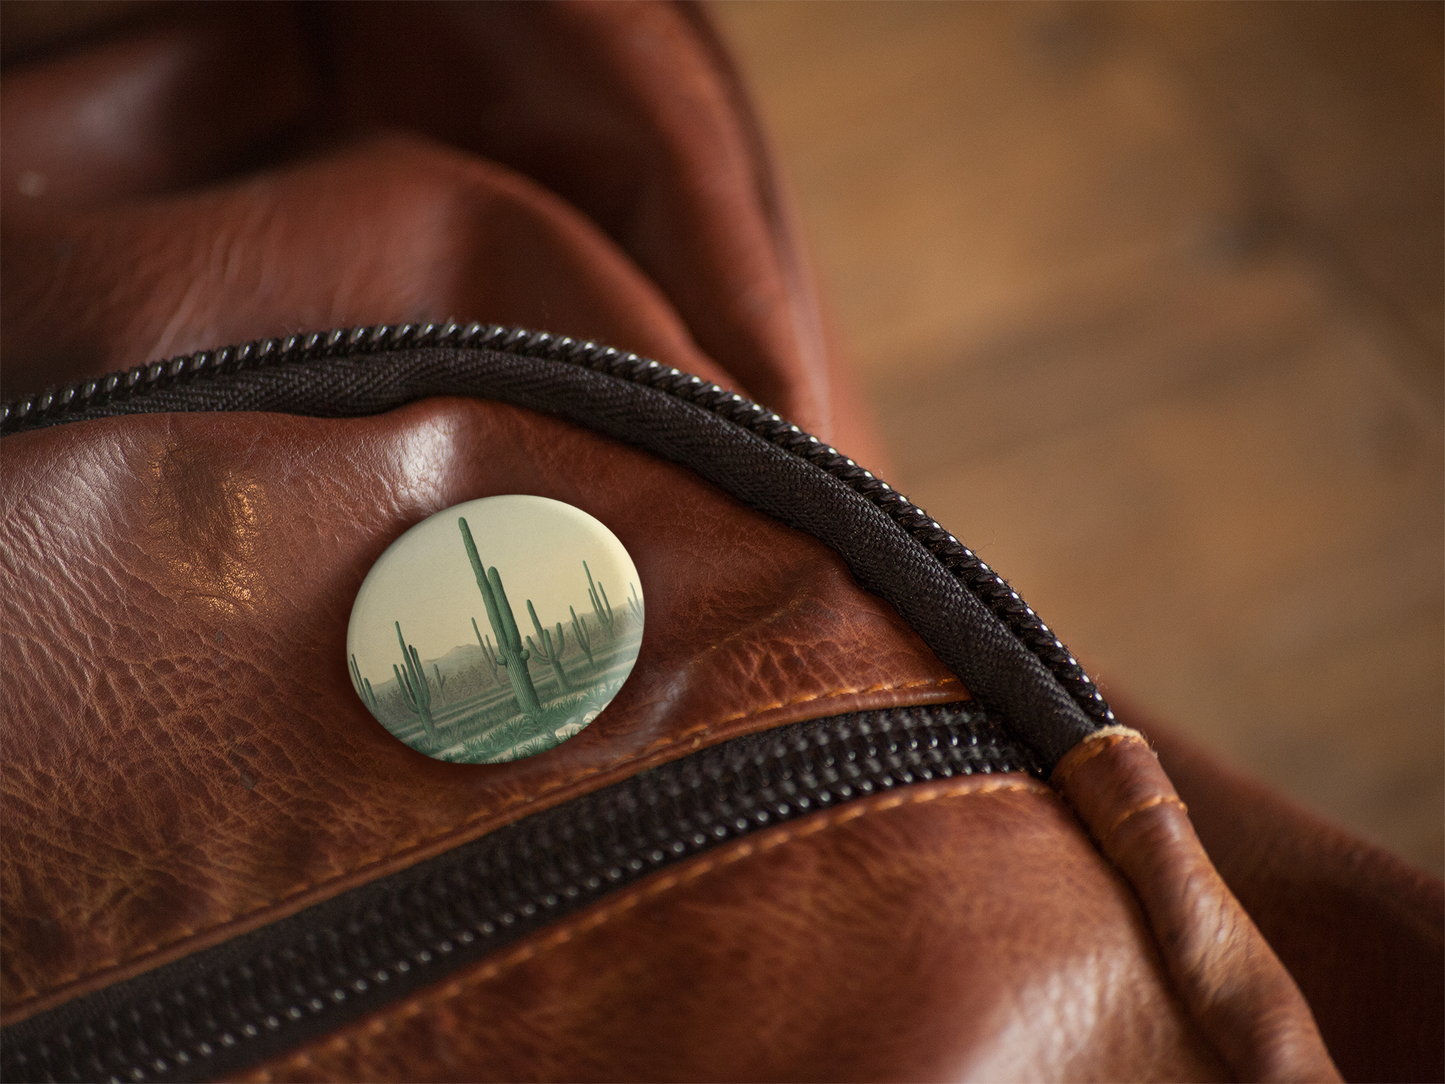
1362	932
956	956
446	235
1236	988
185	757
181	195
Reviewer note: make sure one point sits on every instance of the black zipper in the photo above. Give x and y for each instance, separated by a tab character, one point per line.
182	382
260	994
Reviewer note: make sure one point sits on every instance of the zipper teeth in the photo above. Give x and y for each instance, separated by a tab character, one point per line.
987	585
475	900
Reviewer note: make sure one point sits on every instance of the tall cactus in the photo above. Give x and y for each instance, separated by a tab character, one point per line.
584	638
635	604
602	608
363	686
510	652
544	650
412	682
489	653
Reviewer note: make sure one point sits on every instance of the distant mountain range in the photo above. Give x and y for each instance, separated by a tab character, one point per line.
460	658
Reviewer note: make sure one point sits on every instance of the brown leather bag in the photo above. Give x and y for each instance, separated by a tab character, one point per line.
856	814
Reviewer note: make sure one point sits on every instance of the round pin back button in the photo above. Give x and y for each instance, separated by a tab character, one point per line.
444	656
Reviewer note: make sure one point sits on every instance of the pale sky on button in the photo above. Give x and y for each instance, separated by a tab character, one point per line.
425	581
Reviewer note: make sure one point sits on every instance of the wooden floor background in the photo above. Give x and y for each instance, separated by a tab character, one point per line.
1148	299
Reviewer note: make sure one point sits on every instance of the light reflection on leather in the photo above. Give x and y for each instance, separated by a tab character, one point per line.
206	520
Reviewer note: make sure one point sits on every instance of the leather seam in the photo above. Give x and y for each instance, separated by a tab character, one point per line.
590	922
1146	804
412	844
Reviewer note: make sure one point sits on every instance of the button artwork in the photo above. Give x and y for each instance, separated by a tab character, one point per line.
439	657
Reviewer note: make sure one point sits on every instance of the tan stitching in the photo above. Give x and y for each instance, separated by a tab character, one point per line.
594	920
1147	803
411	844
1091	746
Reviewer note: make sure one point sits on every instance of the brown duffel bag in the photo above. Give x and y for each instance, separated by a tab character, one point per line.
857	813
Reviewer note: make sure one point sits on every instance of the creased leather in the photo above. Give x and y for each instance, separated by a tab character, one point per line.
412	231
185	757
1238	991
1362	932
629	112
955	958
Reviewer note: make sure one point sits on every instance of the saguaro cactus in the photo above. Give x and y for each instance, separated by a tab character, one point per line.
363	686
510	652
441	681
544	650
602	608
489	653
584	638
635	605
412	682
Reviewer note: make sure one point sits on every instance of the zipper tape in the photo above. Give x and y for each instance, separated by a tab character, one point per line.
964	611
265	992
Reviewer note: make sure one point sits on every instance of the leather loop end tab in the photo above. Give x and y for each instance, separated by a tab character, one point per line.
1238	991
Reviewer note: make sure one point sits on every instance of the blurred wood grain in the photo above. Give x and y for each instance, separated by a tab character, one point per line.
1149	299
